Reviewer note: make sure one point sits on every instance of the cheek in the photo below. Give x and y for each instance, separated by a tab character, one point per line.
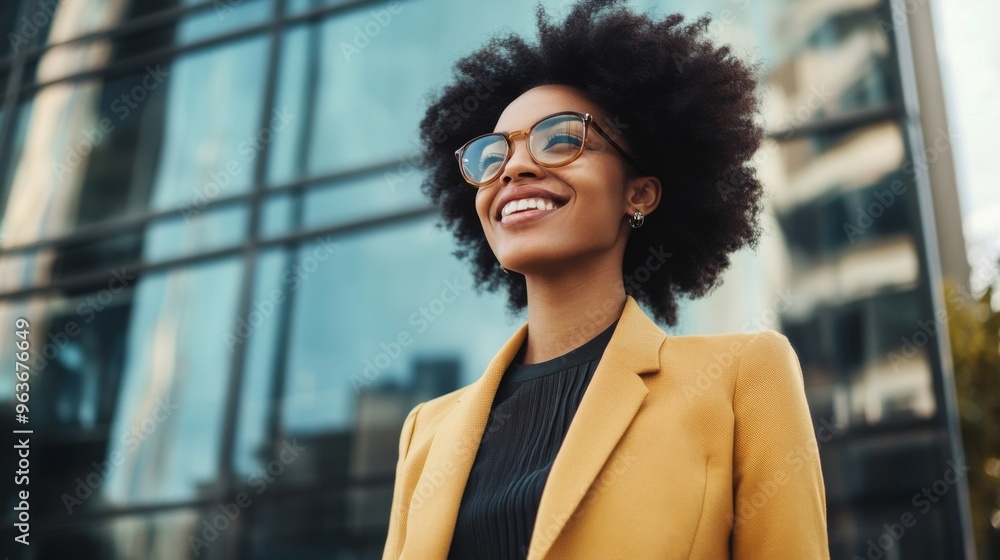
483	202
601	197
482	205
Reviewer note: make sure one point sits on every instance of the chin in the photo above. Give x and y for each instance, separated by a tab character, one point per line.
535	260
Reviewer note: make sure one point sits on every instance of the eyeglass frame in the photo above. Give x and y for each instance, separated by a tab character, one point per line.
588	122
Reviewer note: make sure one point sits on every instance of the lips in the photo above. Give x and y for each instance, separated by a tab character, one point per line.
528	199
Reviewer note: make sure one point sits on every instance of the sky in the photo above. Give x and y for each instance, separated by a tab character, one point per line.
969	51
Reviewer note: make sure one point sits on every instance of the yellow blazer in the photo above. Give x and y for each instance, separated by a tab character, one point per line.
697	446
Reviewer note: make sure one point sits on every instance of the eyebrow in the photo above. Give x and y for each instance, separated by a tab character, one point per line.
598	117
536	121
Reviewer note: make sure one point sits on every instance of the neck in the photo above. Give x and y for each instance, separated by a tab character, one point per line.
568	308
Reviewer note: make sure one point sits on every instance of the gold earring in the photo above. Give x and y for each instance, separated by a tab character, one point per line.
504	270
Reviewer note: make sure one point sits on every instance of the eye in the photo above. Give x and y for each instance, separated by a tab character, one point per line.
562	141
489	161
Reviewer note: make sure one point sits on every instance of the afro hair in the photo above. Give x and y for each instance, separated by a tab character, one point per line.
685	106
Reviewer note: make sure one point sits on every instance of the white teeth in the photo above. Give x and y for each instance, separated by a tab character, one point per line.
526	203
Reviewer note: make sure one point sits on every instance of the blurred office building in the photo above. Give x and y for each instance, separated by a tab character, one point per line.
210	217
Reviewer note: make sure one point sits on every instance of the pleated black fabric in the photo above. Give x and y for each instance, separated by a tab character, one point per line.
530	416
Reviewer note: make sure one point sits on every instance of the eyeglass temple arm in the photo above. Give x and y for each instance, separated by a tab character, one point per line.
614	144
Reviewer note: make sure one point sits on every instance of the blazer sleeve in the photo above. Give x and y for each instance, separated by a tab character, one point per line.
397	521
778	493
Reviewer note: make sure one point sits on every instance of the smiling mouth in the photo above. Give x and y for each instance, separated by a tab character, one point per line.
528	205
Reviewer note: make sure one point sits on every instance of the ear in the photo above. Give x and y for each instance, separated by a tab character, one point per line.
643	194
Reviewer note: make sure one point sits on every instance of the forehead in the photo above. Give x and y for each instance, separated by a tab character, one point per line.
542	101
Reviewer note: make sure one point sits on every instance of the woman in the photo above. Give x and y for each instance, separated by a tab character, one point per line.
607	165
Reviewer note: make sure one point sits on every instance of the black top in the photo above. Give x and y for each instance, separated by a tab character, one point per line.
531	413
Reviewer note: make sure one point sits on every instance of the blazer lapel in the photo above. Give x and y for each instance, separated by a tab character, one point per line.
438	495
610	402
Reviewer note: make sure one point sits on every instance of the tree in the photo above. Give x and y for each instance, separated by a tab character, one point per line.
974	333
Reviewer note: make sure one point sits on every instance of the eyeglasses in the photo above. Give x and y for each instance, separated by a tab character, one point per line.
554	141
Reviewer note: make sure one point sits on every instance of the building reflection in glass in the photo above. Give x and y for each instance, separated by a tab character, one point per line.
266	302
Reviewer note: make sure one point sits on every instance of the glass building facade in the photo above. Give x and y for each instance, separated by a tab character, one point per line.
235	291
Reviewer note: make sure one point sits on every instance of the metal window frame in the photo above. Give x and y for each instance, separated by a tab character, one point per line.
14	65
255	197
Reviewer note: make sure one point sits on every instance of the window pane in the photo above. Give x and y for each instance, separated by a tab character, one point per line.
23	268
360	354
258	403
31	23
9	233
195	232
298	6
832	59
277	216
320	524
176	355
895	381
357	199
9	12
159	536
224	16
372	67
172	135
210	136
294	94
129	389
168	238
866	361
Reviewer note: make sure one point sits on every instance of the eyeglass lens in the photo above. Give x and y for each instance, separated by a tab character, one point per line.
553	141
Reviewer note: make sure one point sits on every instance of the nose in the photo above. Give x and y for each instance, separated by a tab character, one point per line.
520	163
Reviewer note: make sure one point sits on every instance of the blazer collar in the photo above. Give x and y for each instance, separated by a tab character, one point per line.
610	402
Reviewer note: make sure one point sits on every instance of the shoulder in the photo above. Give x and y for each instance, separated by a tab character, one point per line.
768	340
754	346
770	359
728	361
